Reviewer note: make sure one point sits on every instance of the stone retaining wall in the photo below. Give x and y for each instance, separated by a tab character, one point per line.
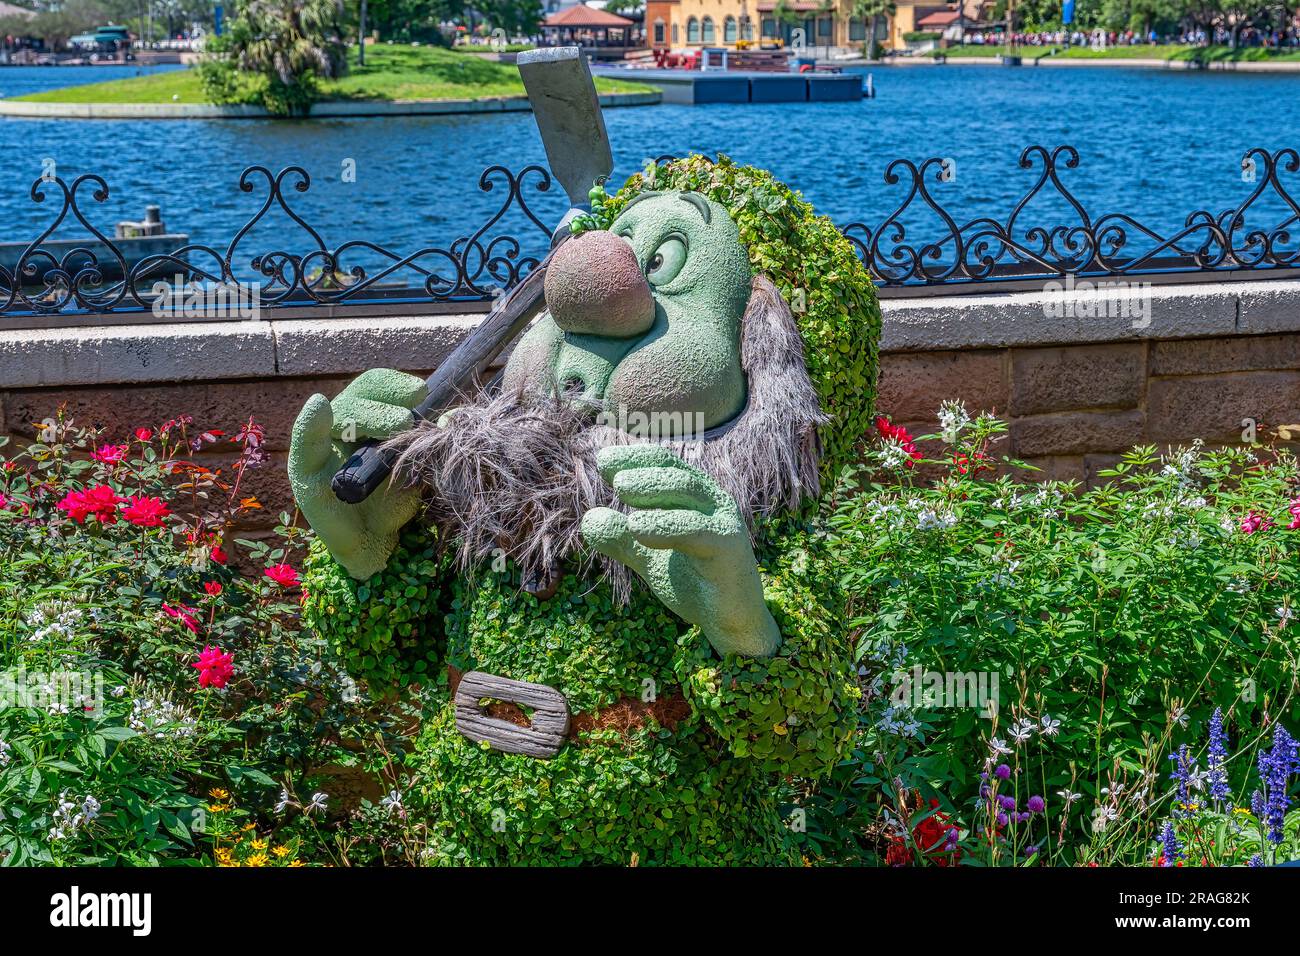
1077	392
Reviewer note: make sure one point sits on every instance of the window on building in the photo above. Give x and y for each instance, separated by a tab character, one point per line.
746	28
729	30
659	31
692	30
825	28
769	28
710	35
857	29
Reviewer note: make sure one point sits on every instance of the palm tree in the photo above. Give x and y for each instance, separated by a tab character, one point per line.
872	11
292	39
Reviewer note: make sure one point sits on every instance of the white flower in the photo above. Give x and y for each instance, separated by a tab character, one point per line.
940	520
159	718
1068	796
4	754
1102	816
393	802
283	802
317	802
1022	730
1179	716
54	619
1050	727
69	817
893	455
1285	614
998	747
952	419
1196	778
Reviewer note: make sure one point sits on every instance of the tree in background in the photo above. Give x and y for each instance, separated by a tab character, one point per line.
516	17
871	11
413	21
287	45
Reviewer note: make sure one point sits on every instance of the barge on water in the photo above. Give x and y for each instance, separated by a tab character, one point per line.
743	86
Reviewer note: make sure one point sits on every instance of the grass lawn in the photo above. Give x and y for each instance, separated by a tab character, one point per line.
391	73
1146	51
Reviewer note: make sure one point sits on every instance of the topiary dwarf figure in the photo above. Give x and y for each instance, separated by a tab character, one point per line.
623	627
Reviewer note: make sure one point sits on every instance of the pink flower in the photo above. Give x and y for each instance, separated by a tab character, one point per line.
283	575
4	502
1255	521
183	614
215	668
217	555
110	454
145	512
100	502
212	587
1294	509
143	434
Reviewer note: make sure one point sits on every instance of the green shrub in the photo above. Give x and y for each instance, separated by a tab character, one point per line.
1121	615
115	576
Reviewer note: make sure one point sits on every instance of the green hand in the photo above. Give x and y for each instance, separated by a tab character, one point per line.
376	404
688	542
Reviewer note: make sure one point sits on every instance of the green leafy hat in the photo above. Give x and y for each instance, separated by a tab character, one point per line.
814	267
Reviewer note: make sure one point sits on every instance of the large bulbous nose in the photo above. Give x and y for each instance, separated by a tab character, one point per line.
594	286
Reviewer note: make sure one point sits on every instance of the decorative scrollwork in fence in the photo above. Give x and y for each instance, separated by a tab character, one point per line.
99	276
95	274
1111	244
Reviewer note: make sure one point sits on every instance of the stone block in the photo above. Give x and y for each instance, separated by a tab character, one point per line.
1077	377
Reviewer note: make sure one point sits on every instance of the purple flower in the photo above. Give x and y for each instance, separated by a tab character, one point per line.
1170	847
1030	850
1002	772
1002	819
1036	804
1218	776
1275	769
1255	861
1006	802
1022	818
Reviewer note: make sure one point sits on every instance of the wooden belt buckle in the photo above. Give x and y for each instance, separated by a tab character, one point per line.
543	738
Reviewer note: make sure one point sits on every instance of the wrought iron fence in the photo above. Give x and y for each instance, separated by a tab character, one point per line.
100	275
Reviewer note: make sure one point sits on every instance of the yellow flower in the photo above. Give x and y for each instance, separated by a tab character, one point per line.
217	793
259	844
280	851
257	859
223	857
218	807
248	826
297	863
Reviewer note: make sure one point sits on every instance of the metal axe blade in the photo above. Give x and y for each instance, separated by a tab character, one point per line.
567	110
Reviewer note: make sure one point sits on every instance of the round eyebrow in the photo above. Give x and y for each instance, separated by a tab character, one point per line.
696	200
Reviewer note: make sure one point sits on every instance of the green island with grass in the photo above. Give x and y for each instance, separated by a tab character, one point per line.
1142	51
391	73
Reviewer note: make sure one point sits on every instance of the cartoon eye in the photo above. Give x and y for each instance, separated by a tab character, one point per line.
666	261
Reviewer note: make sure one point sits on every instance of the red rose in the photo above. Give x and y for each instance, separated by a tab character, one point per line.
283	575
145	512
99	502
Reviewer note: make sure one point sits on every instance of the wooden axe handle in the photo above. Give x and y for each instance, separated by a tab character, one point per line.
372	464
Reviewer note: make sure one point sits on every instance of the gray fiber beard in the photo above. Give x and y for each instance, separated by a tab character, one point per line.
515	472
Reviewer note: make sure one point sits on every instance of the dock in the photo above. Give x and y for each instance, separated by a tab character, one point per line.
696	87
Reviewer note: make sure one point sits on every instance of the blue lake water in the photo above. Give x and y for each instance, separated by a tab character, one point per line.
1156	144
